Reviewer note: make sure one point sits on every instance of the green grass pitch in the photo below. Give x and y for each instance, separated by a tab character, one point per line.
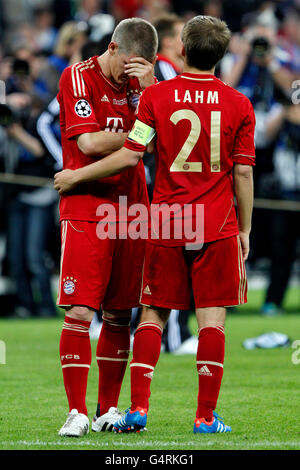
259	396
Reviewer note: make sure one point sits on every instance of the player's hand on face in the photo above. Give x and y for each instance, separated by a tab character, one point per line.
64	181
142	69
244	238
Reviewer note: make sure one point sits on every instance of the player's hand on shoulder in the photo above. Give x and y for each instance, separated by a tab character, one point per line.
142	70
64	181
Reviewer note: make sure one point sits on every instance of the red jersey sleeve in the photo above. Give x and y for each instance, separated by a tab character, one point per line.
144	115
244	149
74	96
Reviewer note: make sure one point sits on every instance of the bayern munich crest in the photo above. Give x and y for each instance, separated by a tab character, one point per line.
69	285
133	97
83	109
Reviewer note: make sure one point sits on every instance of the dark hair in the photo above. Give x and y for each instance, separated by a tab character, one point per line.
205	40
165	26
92	48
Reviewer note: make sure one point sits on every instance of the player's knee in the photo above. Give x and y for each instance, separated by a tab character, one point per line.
155	315
211	317
80	313
218	325
117	317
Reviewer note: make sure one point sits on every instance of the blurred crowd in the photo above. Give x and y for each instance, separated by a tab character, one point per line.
39	38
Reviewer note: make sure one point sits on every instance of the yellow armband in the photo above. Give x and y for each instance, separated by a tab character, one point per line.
141	133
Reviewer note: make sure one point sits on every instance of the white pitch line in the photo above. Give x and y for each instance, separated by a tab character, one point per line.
154	445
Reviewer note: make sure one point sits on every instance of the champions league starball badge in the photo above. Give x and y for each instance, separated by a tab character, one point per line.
83	109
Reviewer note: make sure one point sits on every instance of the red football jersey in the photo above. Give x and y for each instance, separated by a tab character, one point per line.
202	128
89	102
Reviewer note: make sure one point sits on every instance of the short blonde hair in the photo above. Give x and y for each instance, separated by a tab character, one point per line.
68	32
205	40
137	36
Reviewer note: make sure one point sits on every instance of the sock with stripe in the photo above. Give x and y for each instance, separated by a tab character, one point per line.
210	359
146	351
75	356
112	356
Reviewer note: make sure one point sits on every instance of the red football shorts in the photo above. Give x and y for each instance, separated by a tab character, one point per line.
94	272
216	274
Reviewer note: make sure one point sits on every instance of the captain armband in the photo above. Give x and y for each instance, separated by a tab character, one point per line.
141	133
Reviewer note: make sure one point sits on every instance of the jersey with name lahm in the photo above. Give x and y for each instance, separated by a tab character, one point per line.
203	127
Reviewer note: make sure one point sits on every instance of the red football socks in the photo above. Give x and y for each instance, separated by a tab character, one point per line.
146	351
112	356
75	356
210	359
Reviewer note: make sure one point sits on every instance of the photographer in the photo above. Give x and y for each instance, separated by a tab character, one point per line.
283	128
30	209
251	54
258	68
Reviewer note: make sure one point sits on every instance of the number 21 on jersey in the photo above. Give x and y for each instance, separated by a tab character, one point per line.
180	163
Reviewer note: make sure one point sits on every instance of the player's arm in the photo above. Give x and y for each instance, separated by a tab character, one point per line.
243	156
100	143
127	157
243	188
115	163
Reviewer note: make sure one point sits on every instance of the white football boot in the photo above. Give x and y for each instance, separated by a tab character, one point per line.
77	425
106	421
189	346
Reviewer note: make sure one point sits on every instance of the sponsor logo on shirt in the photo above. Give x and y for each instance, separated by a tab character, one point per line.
120	102
114	124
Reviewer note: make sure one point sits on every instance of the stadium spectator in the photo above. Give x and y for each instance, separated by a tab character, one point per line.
151	10
98	99
283	127
48	129
30	216
169	58
257	68
289	41
88	9
70	39
45	32
213	8
125	9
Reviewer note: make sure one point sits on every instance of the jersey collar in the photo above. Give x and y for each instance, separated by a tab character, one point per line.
199	77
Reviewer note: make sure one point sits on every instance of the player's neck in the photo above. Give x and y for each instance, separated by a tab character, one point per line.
103	61
188	69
